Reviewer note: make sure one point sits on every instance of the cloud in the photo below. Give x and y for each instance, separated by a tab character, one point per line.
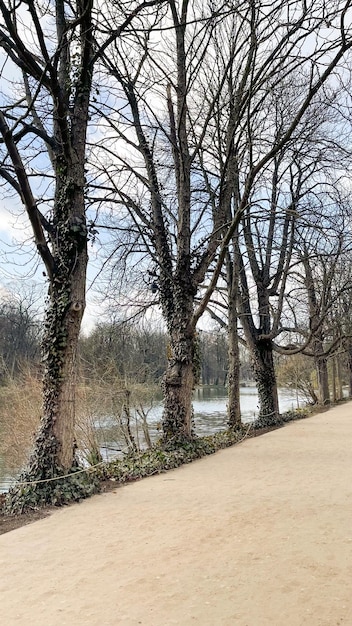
13	221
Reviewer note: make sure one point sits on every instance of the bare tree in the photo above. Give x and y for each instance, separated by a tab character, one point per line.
297	191
276	144
19	333
50	112
166	190
189	134
50	52
326	288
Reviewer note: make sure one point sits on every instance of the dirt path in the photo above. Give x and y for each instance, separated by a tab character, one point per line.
259	534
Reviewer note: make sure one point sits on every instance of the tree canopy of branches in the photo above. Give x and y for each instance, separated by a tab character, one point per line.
161	113
19	335
204	108
50	53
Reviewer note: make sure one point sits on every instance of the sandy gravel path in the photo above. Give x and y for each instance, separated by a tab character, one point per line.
259	534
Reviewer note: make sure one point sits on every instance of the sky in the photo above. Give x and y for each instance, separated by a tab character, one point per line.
21	270
19	264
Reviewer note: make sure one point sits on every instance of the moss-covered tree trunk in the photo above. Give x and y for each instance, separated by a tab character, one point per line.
265	378
178	385
53	453
62	326
260	345
177	300
61	237
177	297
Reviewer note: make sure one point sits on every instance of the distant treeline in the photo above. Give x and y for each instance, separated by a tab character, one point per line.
127	350
141	353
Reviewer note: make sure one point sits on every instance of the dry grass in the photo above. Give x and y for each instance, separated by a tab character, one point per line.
111	413
103	412
20	409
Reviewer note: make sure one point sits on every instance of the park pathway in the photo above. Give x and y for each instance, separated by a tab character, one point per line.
256	535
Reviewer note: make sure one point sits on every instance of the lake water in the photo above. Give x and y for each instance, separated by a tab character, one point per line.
210	405
210	409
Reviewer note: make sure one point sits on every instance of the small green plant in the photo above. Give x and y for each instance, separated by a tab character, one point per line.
28	494
159	458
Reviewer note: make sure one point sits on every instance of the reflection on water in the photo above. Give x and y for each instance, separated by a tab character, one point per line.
210	415
210	406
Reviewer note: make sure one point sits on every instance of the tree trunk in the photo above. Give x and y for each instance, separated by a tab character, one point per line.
261	350
318	335
323	380
339	377
322	371
334	381
232	274
265	378
178	386
54	450
234	408
63	321
349	366
60	355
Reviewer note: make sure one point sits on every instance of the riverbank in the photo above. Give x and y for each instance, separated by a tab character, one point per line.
254	535
210	417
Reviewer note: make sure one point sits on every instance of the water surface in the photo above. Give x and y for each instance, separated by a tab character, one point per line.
210	407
